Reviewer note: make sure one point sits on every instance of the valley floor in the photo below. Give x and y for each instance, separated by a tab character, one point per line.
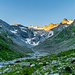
56	64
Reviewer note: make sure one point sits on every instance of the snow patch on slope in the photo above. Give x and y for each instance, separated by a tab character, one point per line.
29	41
50	34
24	30
15	31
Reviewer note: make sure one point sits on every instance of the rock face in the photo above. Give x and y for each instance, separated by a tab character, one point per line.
32	37
29	36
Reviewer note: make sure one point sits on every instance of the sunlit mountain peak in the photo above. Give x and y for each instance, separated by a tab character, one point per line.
51	25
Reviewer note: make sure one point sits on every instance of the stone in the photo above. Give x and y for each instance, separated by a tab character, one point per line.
54	62
7	70
55	74
47	62
18	61
32	65
0	72
38	59
17	71
46	73
40	63
1	66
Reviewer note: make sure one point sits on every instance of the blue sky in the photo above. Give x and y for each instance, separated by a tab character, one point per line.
36	12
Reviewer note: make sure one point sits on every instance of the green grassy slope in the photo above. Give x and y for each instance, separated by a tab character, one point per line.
6	53
59	64
10	50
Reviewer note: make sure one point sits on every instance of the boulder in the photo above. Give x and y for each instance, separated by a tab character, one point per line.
7	70
54	62
18	61
32	65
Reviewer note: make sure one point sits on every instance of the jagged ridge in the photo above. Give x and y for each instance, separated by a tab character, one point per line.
51	25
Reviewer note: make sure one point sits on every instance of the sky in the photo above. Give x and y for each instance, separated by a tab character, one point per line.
36	12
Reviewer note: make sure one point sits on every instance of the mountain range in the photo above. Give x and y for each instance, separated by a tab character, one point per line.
52	38
47	50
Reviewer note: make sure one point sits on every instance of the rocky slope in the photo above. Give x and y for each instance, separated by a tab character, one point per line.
62	41
49	30
28	36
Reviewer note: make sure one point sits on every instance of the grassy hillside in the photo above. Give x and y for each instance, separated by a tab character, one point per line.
65	40
6	53
56	64
8	49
